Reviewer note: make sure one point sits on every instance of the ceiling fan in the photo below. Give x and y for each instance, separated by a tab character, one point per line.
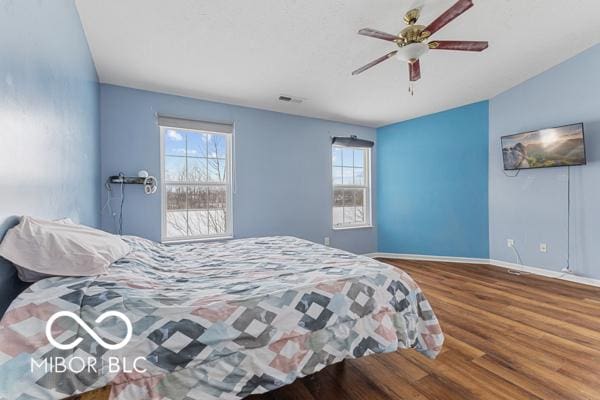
412	40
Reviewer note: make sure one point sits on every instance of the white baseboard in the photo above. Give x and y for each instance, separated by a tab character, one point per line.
497	263
419	257
548	273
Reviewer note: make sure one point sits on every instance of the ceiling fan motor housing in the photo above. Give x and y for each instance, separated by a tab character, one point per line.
411	34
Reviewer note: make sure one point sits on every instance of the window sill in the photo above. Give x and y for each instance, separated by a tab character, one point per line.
346	228
195	240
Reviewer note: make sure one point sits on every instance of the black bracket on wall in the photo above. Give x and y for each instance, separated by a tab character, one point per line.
352	141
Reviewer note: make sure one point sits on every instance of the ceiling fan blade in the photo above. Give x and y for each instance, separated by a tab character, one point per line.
448	16
461	45
414	70
374	33
375	62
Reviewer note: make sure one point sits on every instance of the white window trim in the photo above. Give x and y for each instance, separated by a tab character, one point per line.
228	234
368	199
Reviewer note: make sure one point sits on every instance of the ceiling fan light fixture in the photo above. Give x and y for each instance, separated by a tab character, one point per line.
412	52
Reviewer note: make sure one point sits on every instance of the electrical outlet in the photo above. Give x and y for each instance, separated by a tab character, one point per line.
510	242
326	241
543	247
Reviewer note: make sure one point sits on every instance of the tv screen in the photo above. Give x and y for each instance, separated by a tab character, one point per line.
553	147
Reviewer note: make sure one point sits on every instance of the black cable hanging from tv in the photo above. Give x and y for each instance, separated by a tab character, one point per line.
352	141
568	268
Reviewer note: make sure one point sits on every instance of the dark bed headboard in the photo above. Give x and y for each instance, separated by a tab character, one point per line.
10	285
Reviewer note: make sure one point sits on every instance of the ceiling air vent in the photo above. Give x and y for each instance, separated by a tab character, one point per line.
290	99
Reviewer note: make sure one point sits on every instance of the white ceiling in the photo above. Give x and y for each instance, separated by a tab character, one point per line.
249	52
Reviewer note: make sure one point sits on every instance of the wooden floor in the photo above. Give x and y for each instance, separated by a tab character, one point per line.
507	337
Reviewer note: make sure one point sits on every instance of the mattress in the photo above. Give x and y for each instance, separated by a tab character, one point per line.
209	321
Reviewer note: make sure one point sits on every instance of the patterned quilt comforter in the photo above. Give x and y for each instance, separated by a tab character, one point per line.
210	321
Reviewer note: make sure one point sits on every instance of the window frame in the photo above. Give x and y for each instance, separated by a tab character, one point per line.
368	223
228	234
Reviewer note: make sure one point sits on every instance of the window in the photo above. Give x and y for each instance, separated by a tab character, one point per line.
196	180
351	186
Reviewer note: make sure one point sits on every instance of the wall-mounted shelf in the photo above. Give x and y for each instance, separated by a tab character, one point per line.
127	180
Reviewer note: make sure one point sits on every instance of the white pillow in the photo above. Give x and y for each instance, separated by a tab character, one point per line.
41	248
27	275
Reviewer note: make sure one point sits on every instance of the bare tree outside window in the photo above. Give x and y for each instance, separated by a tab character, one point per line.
351	186
196	183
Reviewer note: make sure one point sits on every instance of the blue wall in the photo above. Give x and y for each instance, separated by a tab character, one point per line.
532	208
282	166
432	184
49	136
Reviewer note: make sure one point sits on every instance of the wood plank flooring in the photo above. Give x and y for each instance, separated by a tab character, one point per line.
507	337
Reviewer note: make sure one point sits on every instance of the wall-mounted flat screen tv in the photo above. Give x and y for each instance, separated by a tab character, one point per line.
553	147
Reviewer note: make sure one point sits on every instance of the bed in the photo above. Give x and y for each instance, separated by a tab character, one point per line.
212	320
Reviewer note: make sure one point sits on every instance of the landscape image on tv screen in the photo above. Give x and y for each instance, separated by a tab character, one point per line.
553	147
